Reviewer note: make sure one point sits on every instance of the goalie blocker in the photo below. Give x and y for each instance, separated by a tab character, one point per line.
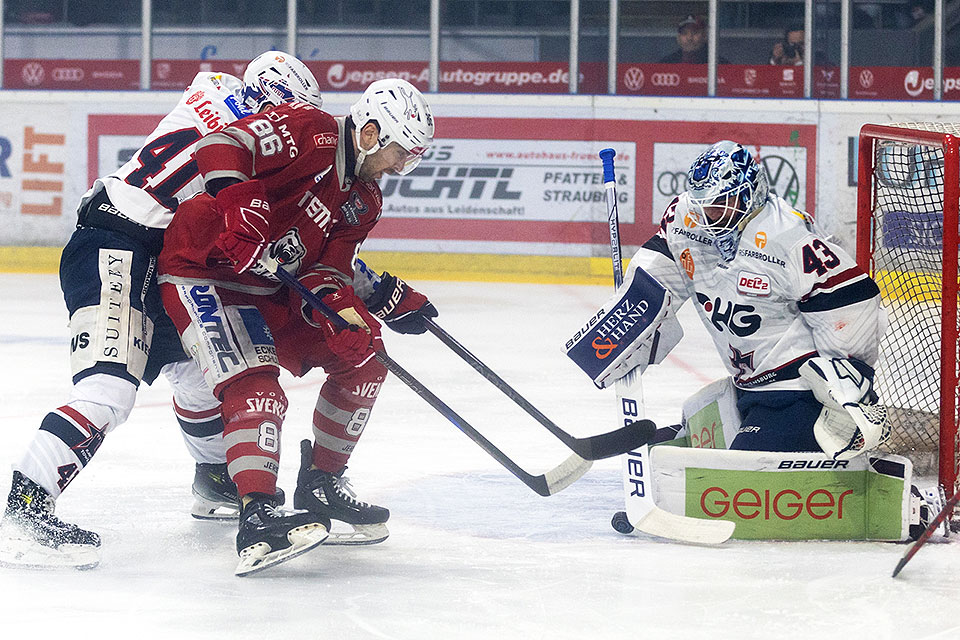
634	328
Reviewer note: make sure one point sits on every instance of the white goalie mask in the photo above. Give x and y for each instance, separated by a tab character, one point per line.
726	186
276	77
403	116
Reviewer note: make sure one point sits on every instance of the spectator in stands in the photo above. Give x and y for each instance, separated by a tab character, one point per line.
789	51
920	10
692	40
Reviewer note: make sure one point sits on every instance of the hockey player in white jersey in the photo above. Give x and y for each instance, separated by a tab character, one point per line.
794	319
120	334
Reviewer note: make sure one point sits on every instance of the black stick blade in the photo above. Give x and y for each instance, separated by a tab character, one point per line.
615	443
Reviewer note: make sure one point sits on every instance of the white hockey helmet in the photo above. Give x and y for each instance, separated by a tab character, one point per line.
726	175
403	116
276	77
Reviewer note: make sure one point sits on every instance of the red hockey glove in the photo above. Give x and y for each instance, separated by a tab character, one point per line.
245	214
402	307
357	342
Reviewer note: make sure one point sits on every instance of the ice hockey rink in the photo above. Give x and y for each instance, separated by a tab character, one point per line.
473	553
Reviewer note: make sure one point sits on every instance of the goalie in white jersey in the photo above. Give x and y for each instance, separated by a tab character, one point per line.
120	334
794	319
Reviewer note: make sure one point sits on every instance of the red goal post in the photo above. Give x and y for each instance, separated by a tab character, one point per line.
908	196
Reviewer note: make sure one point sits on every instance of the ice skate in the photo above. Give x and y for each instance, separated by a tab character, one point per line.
269	535
925	504
330	494
31	536
215	494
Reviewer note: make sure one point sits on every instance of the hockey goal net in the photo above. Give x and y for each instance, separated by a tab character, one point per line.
907	203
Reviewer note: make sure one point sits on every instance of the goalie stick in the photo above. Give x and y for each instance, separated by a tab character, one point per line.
545	484
603	445
642	514
922	540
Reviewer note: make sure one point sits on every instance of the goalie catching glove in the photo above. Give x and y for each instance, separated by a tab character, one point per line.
851	421
400	306
635	328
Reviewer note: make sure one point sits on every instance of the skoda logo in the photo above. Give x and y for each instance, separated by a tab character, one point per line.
672	183
866	78
32	74
665	79
633	79
784	180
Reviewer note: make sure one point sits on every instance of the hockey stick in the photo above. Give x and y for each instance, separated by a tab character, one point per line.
922	540
603	445
545	484
642	513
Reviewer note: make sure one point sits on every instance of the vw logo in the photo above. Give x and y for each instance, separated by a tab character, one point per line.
672	183
32	74
866	78
68	74
665	79
633	79
784	180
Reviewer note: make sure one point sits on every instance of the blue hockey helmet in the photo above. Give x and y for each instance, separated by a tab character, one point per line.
726	186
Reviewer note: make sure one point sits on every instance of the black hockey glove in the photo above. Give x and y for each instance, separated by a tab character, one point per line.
400	306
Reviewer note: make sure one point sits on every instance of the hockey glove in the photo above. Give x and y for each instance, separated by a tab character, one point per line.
400	306
245	214
357	342
635	328
851	421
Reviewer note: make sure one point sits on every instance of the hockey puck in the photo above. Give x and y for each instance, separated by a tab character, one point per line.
621	524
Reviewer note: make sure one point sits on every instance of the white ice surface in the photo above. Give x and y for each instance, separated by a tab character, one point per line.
473	553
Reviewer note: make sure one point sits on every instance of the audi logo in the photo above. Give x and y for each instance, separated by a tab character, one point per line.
32	74
672	184
665	79
68	74
633	78
866	78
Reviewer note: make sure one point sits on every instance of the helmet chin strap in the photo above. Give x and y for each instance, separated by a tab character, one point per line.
361	154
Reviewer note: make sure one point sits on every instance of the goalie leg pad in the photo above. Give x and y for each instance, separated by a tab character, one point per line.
787	496
710	416
634	328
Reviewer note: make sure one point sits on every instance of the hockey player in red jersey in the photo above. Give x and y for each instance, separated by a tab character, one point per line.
120	333
294	188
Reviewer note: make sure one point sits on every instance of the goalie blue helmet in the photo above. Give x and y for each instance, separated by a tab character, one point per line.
726	187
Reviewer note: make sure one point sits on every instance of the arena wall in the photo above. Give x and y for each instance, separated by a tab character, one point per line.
511	190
